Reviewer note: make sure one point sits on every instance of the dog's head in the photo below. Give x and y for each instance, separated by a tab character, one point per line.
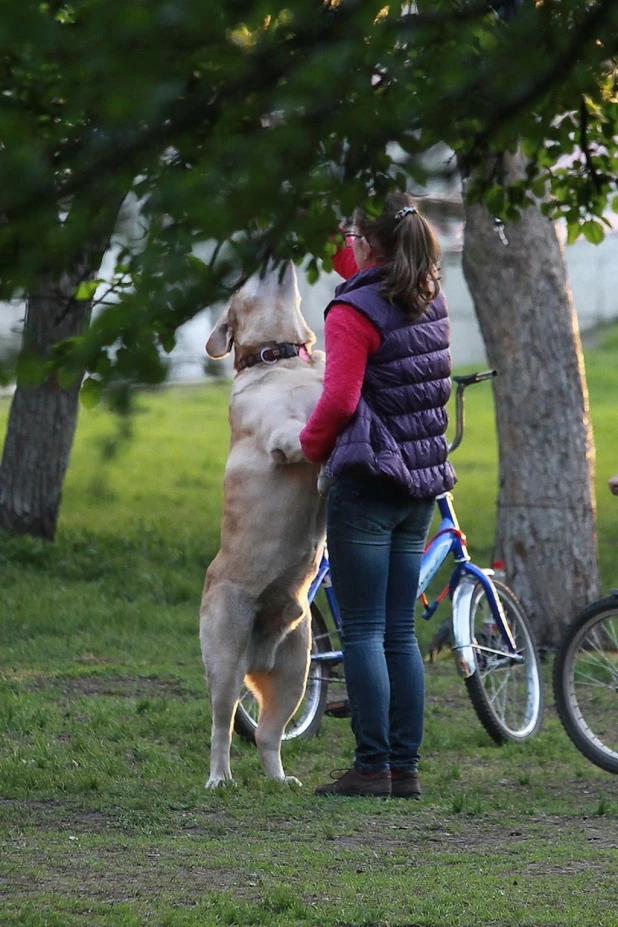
265	309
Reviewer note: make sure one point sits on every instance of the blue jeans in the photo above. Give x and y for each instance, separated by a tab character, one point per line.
376	535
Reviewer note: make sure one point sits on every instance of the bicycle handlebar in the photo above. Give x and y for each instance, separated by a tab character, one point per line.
468	380
462	382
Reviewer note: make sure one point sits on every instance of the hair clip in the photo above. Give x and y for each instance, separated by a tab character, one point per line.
406	211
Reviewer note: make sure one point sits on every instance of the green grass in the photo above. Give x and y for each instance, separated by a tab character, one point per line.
104	819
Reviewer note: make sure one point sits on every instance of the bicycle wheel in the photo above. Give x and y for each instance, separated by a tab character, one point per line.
506	693
586	682
306	722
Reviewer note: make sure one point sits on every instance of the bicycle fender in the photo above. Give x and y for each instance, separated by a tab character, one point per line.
494	602
462	646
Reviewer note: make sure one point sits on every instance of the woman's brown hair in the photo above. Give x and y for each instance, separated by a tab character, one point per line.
408	245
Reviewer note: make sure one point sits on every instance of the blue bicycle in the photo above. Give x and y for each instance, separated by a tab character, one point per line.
492	640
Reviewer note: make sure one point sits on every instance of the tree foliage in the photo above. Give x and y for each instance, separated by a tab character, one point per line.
257	125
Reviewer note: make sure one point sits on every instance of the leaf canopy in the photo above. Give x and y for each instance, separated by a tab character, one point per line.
258	126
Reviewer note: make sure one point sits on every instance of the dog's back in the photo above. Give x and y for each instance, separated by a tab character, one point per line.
273	517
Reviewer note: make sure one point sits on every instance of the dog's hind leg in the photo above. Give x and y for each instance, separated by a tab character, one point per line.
226	618
224	689
280	692
266	639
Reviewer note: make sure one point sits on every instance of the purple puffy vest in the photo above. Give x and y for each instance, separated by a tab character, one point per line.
398	429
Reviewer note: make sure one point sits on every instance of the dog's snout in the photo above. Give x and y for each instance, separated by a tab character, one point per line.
274	281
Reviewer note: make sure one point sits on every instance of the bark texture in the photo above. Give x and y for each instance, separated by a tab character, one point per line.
546	530
43	417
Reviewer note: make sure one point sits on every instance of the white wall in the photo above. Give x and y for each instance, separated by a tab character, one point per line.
593	273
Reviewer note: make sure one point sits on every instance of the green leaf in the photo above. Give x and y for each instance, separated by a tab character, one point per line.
102	365
538	188
87	289
168	341
32	371
615	204
593	231
313	273
91	393
66	377
494	199
529	147
573	230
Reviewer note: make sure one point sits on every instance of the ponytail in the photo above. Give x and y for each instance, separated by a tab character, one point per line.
410	249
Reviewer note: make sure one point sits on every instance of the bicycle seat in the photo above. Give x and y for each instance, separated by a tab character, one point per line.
471	378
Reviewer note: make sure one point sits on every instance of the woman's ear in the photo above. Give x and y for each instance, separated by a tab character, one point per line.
221	338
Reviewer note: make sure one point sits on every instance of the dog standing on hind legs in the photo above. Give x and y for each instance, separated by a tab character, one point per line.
254	615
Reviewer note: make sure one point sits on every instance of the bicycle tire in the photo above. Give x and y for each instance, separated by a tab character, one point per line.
585	682
308	718
506	696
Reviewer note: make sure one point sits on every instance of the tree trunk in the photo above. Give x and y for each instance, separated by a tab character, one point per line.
43	417
546	531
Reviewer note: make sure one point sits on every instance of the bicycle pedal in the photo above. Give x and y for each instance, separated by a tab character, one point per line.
338	709
427	614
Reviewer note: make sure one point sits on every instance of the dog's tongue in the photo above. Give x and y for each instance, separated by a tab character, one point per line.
303	353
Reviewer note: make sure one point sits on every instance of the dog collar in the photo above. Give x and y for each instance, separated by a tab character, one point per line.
270	355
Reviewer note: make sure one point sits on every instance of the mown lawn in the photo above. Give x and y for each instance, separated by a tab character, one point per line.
104	819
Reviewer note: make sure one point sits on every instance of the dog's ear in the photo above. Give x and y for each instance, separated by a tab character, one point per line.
221	338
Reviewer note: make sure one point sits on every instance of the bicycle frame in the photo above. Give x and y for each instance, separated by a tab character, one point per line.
449	539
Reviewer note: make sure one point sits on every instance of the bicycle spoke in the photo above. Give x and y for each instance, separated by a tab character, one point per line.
596	645
498	690
612	630
591	680
604	662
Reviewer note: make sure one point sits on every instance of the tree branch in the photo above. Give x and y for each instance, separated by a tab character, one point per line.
597	22
585	147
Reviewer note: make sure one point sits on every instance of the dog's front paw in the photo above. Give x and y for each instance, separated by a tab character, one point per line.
284	445
278	456
290	454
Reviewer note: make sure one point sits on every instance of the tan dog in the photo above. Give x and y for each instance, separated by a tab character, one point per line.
254	614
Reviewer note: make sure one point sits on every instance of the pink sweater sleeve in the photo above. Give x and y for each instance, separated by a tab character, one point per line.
344	262
350	337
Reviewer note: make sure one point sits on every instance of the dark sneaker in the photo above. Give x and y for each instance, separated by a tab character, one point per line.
353	782
405	784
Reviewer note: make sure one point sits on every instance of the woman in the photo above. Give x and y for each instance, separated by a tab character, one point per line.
380	426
